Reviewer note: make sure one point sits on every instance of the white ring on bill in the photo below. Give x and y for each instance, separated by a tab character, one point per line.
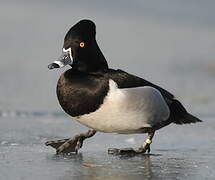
59	63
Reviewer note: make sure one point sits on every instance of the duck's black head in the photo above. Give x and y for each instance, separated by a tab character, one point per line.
80	49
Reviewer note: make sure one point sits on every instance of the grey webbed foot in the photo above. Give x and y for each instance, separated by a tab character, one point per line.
129	150
56	144
144	148
71	145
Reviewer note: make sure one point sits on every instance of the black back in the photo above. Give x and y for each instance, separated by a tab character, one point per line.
126	80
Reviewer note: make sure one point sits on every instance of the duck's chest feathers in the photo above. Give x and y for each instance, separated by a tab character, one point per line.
80	94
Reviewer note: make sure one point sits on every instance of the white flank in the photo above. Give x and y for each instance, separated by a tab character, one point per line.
127	110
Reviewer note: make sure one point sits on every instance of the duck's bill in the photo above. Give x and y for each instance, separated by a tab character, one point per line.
63	60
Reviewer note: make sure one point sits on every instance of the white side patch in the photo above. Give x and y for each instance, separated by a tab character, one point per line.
127	110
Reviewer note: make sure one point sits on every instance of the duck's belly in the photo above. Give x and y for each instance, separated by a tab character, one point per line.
127	110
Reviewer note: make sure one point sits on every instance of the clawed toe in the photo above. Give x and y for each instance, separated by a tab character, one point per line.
71	145
116	151
120	151
66	145
56	144
144	148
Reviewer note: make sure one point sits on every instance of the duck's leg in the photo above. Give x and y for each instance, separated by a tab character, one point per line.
145	147
72	144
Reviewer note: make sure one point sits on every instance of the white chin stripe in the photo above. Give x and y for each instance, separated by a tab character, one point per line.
59	63
68	50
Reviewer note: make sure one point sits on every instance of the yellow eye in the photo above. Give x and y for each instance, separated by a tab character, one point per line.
81	44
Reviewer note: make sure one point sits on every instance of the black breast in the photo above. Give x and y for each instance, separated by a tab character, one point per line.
79	93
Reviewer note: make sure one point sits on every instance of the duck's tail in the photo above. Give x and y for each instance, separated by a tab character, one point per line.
179	115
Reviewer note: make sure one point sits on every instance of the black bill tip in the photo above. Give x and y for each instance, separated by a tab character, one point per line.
53	66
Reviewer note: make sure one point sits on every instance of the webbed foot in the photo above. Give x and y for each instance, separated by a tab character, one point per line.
122	151
71	145
144	148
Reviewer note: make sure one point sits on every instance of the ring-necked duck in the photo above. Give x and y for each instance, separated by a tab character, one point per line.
108	100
